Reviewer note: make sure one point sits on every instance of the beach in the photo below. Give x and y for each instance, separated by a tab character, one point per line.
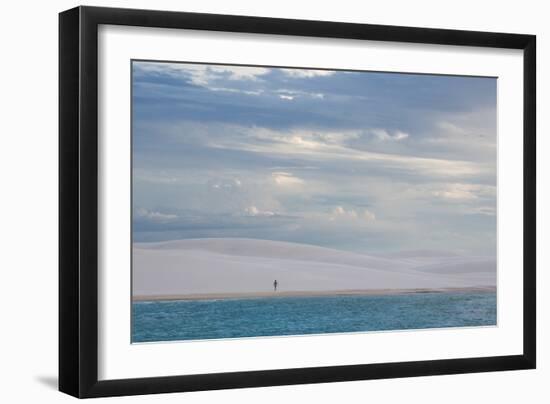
305	293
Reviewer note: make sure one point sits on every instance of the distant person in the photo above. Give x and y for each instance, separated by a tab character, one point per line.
275	283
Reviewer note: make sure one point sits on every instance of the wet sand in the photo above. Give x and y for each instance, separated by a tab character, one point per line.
298	293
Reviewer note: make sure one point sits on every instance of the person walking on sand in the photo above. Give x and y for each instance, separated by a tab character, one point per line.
275	283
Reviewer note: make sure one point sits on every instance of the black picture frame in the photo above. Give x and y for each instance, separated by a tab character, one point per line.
78	201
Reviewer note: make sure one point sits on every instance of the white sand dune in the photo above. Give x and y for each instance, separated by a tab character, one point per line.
245	266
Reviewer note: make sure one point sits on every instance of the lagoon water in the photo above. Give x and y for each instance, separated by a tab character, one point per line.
253	317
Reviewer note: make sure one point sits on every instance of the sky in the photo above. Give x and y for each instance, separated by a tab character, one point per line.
369	162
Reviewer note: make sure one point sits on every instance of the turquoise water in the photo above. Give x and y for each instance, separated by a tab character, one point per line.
234	318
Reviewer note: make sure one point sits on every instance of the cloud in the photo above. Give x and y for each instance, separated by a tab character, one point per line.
154	177
307	73
200	74
218	78
236	90
254	211
286	97
384	135
284	179
464	192
340	212
227	184
368	215
483	210
241	72
332	146
155	216
287	94
471	133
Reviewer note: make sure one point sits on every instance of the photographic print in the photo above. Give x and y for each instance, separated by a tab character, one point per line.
271	201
